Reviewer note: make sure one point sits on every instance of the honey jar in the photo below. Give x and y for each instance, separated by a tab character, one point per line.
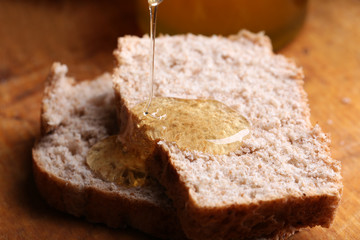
280	19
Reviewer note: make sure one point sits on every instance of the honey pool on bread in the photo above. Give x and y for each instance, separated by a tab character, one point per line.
109	159
208	126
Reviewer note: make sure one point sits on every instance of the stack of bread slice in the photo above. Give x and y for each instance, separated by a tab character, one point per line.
280	180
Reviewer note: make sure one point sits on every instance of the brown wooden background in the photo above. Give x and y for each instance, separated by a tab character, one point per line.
82	34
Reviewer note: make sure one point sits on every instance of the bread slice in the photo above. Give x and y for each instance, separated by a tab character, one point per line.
282	178
74	117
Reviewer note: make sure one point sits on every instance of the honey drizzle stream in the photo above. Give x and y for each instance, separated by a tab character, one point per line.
153	5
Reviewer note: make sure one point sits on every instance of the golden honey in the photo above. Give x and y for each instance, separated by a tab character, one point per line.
207	126
111	162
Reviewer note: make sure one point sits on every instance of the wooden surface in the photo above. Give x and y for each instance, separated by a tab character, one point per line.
83	34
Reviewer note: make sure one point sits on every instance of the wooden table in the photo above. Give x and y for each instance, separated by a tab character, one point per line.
83	34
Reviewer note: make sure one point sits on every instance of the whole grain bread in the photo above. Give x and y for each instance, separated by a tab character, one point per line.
74	117
282	178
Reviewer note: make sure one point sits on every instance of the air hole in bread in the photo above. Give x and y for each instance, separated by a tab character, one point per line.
86	136
74	146
196	71
80	112
173	64
225	57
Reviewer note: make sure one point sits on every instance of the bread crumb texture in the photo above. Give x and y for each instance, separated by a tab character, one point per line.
81	115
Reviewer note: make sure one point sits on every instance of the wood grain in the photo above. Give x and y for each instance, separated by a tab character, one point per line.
83	35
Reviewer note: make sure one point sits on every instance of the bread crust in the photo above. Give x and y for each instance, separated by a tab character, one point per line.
96	204
99	206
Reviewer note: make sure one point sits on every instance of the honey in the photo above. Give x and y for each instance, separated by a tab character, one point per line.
109	159
153	6
207	126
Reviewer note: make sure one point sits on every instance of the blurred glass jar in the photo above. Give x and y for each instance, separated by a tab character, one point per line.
280	19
